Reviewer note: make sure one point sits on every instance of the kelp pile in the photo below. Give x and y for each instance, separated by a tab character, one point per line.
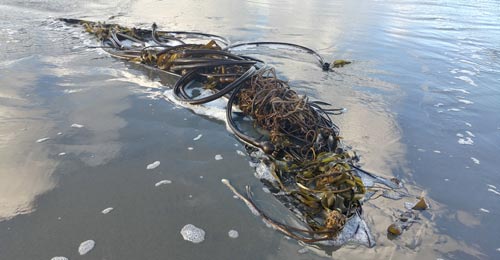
309	166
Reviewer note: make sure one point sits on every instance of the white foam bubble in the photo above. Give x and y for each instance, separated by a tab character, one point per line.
106	210
303	250
457	90
153	165
215	109
197	137
467	72
439	105
141	80
86	246
466	141
494	191
467	79
484	210
262	171
454	109
190	148
468	124
437	151
492	186
41	140
162	182
465	101
241	153
193	234
460	135
62	154
218	157
233	233
59	133
71	91
476	161
470	133
59	258
77	126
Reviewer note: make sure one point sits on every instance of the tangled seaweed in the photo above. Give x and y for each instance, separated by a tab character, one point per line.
310	167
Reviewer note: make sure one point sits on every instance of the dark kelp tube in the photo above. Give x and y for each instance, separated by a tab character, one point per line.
301	142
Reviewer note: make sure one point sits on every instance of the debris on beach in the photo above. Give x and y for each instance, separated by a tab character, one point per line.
291	139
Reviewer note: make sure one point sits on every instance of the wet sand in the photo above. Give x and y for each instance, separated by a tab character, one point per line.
81	133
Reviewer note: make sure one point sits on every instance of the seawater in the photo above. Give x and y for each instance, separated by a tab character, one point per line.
79	129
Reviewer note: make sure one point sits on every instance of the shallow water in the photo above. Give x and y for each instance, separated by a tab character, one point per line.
422	100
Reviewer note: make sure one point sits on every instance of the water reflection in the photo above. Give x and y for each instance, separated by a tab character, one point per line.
25	165
436	79
42	96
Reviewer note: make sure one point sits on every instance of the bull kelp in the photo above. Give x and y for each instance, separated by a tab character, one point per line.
310	170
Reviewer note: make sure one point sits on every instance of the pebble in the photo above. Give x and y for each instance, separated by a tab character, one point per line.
395	229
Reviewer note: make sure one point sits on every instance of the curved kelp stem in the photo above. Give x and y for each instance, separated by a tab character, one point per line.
308	165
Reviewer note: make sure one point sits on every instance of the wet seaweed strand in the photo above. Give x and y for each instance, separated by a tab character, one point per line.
302	143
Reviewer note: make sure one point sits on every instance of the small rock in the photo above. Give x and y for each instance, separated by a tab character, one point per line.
421	205
395	229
